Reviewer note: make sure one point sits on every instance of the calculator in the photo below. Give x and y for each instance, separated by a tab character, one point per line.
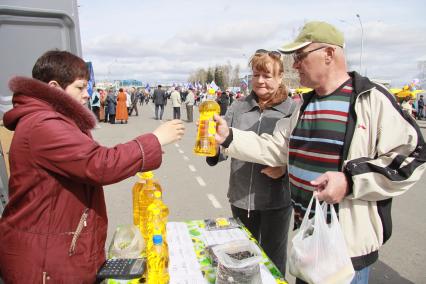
122	268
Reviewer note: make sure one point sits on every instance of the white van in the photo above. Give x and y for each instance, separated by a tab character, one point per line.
28	28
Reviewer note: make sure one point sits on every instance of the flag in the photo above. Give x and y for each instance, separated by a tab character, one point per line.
214	86
91	81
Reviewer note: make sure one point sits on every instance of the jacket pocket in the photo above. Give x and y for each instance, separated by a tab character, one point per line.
76	234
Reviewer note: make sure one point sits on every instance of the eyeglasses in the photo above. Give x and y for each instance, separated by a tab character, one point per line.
297	57
272	53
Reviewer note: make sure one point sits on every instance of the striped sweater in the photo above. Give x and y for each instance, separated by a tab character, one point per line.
316	144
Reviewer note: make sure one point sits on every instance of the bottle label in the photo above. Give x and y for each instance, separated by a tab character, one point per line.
207	126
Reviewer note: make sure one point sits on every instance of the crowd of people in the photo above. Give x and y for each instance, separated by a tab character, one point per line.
116	106
413	107
347	142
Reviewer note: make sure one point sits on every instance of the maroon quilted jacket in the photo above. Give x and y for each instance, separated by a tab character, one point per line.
53	229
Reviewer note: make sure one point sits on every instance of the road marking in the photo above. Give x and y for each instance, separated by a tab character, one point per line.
177	145
181	151
192	168
200	181
214	201
185	158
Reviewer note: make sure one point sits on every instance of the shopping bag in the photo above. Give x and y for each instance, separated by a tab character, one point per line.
127	242
319	254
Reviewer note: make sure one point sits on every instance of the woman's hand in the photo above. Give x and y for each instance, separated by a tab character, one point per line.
169	131
273	172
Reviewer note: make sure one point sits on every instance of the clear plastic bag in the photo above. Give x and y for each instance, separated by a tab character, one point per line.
127	242
319	253
238	262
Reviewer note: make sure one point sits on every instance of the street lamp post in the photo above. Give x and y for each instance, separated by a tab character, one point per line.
362	43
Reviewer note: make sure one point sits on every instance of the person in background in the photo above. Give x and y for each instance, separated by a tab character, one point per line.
231	97
134	95
420	107
103	95
189	102
348	143
407	105
121	110
160	99
261	202
53	229
223	101
111	104
176	103
96	103
128	100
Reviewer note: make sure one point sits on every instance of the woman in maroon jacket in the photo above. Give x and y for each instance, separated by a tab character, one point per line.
54	227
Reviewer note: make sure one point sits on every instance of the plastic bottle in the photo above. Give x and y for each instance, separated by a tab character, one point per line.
205	144
157	262
143	196
157	215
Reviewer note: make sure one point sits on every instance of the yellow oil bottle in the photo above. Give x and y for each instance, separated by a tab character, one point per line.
157	262
143	196
157	215
205	144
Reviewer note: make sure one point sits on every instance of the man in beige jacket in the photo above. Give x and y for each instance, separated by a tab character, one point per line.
349	143
176	103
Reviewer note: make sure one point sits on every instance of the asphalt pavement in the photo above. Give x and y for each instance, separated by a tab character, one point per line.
193	190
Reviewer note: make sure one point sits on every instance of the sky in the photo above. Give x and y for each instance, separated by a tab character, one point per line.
164	41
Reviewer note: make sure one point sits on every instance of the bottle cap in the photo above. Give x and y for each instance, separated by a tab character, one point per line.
157	239
157	194
156	211
146	175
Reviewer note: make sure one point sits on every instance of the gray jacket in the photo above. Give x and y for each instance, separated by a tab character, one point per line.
248	187
159	97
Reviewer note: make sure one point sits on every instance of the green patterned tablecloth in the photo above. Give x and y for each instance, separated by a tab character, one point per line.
207	268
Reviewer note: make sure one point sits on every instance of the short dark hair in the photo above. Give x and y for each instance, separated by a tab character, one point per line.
61	66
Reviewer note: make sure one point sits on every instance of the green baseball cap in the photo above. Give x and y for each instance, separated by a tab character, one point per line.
315	31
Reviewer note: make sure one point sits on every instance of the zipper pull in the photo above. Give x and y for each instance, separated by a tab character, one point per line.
248	213
85	223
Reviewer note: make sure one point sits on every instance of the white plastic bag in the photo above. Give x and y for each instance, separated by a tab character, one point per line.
319	253
127	242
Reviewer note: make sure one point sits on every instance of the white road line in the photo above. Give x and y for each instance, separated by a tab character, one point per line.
185	158
200	181
177	145
214	201
192	168
181	151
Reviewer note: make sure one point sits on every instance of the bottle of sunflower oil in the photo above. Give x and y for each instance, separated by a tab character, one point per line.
157	262
205	144
135	196
143	198
157	215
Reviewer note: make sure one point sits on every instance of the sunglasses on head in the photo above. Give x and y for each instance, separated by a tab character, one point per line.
272	53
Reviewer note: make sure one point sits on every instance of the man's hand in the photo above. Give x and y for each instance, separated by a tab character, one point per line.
170	131
222	129
273	172
331	187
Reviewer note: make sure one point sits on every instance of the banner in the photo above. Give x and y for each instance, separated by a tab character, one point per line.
91	82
